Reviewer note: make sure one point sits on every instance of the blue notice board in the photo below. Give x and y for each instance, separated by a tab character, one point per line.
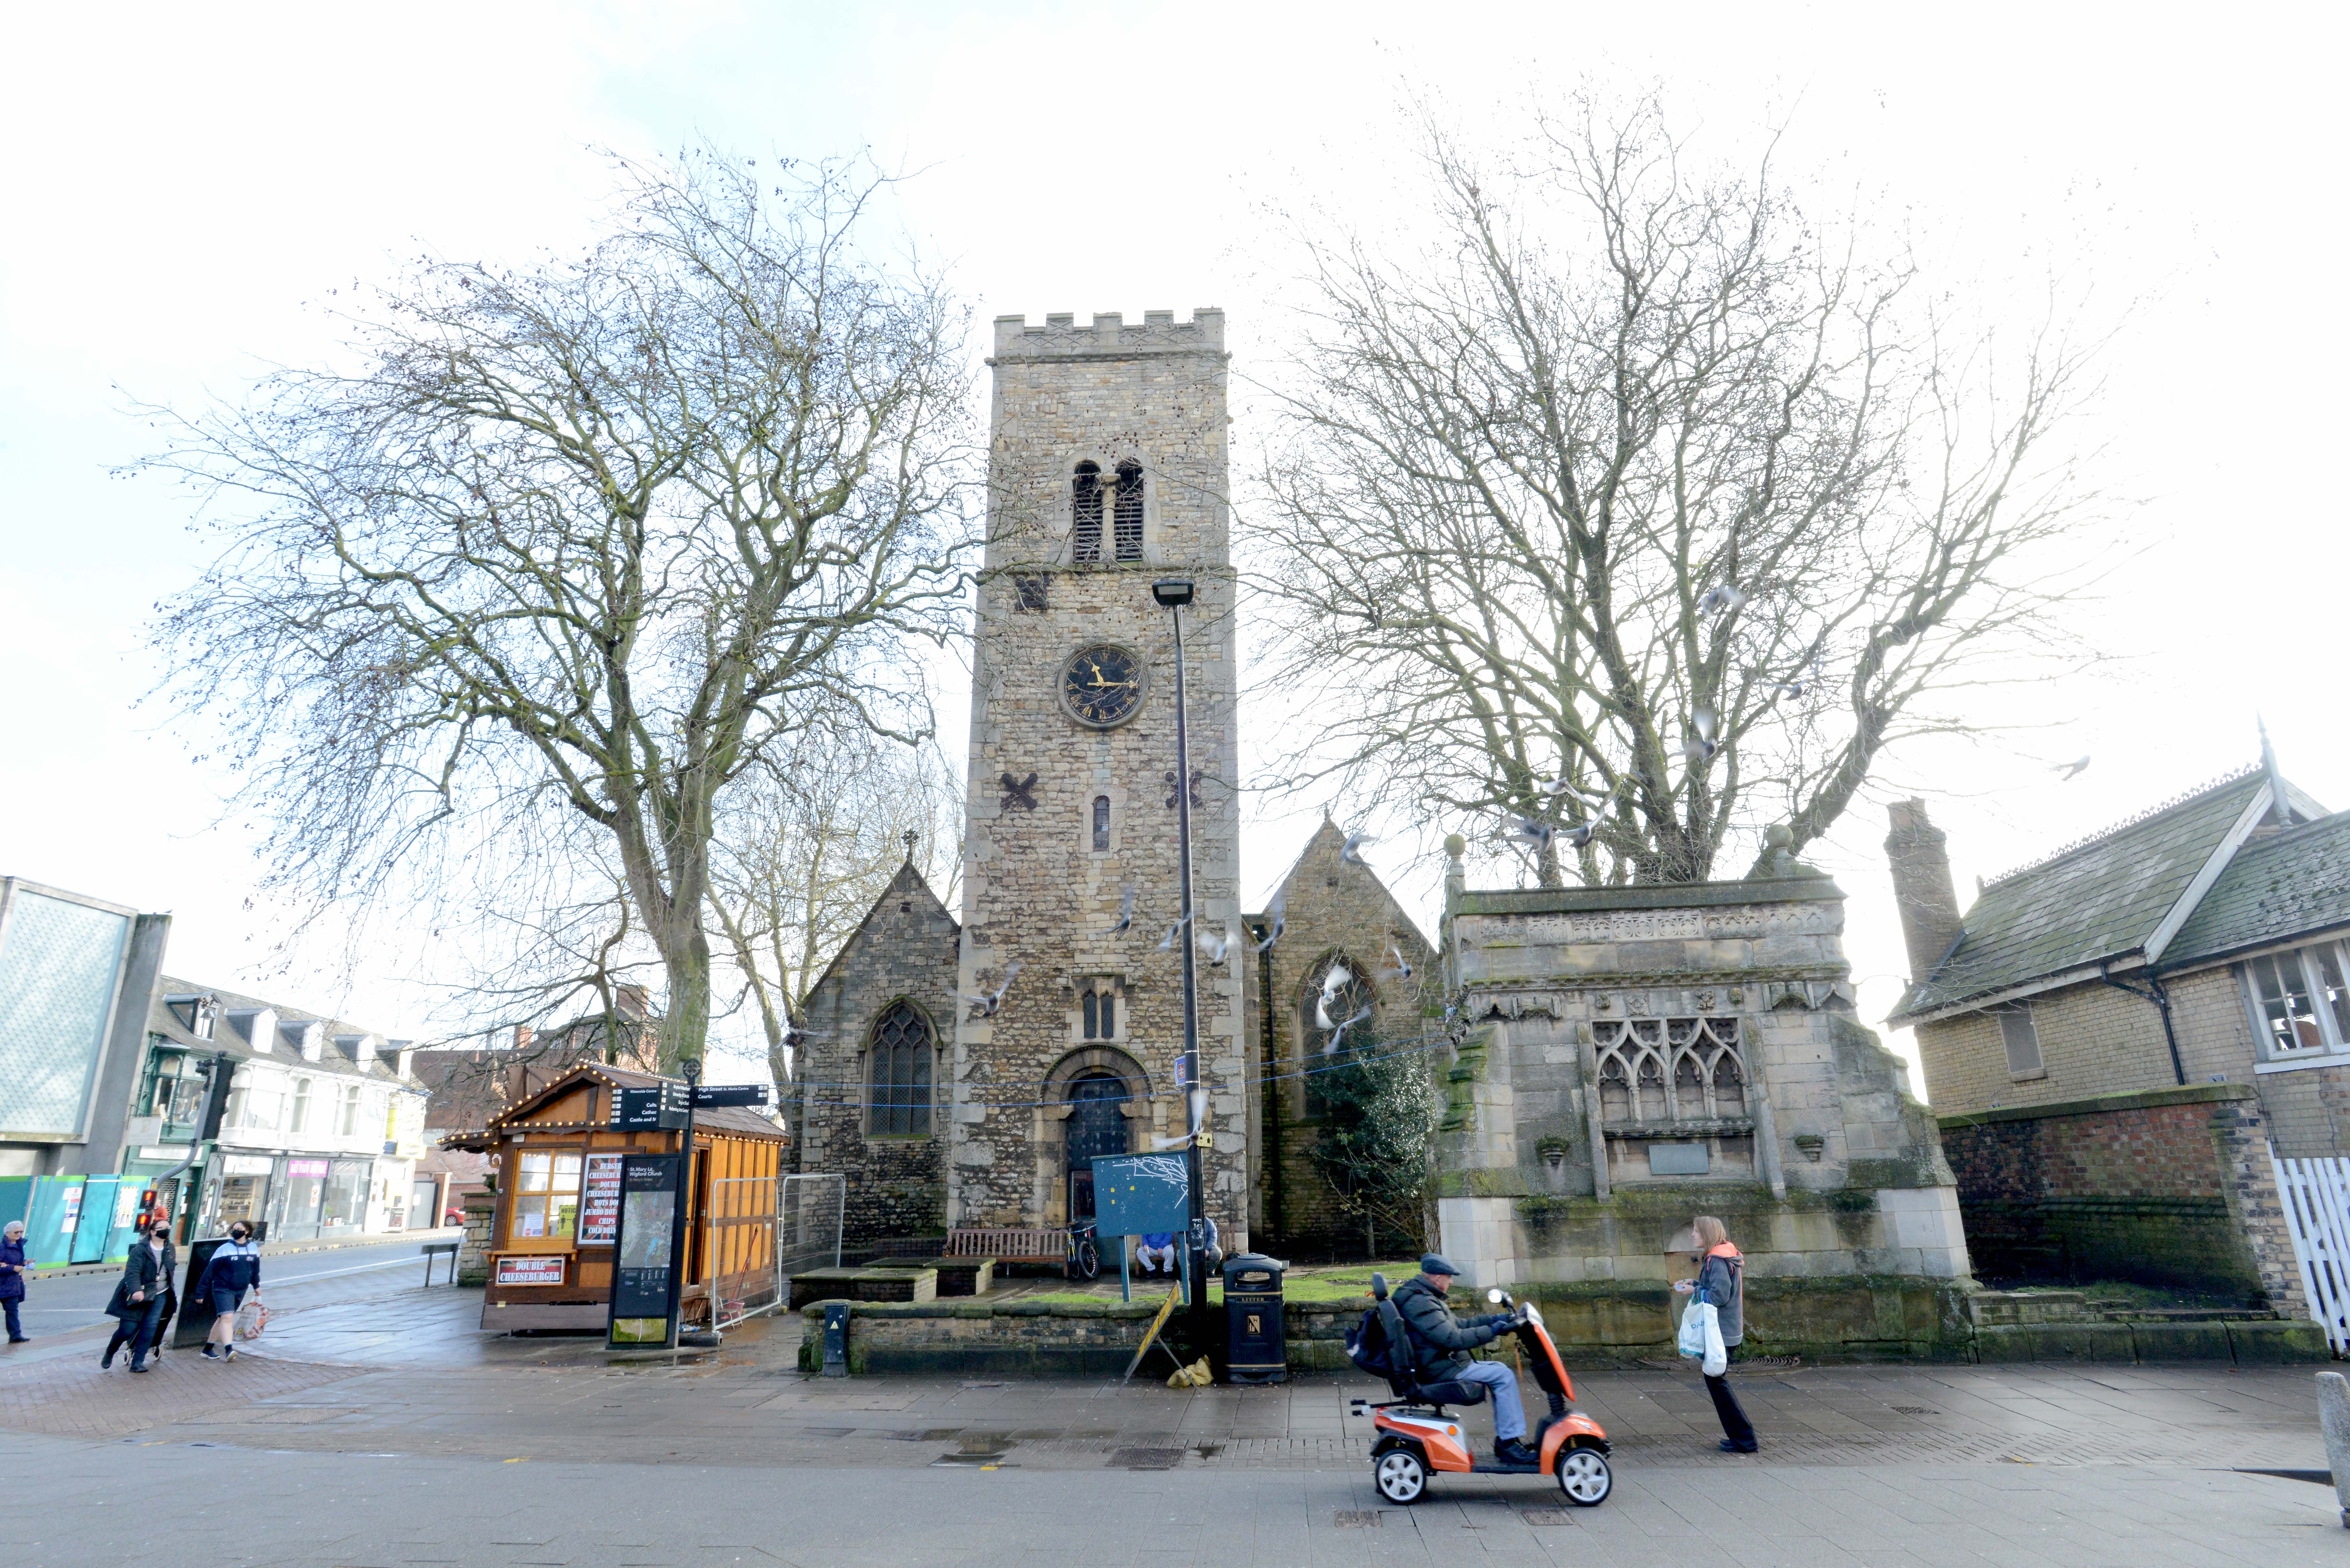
1136	1194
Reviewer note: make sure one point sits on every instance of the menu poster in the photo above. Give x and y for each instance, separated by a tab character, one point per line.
599	1207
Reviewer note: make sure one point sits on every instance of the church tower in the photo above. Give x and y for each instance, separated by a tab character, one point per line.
1107	470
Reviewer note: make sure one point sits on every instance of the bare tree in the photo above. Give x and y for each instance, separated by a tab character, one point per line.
577	545
805	853
1633	509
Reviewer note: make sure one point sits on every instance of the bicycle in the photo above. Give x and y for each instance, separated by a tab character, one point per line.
1080	1256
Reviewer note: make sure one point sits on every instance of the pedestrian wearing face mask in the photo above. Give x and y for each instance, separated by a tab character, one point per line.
234	1269
13	1265
144	1298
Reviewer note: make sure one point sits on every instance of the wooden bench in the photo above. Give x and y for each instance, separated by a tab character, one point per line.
1010	1244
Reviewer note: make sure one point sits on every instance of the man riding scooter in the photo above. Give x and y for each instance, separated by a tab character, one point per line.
1441	1345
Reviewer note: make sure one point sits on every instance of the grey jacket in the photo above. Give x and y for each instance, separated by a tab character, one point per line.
1724	1281
1440	1343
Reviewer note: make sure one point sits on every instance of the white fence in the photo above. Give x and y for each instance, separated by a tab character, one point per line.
2317	1196
810	1213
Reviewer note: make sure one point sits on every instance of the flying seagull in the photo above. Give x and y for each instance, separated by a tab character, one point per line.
1125	915
995	1000
2070	770
1723	597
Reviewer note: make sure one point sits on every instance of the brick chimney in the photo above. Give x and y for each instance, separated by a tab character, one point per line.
1921	886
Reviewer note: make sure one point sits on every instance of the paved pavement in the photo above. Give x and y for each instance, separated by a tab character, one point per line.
385	1429
78	1300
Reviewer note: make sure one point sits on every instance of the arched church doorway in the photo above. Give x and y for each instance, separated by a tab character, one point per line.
1097	1125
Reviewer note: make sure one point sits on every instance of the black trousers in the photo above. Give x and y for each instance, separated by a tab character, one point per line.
141	1331
1734	1424
15	1328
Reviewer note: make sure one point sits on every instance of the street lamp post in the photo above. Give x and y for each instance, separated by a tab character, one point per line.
1175	592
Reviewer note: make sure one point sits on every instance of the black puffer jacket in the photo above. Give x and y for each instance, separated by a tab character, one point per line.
1440	1343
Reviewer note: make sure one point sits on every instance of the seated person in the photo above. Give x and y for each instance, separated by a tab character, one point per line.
1157	1252
1440	1346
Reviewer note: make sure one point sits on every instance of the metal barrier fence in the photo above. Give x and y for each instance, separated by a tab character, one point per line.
759	1231
808	1221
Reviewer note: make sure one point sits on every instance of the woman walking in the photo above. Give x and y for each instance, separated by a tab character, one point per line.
13	1265
1721	1275
144	1297
234	1269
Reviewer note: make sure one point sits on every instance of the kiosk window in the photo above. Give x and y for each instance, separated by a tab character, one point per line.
547	1198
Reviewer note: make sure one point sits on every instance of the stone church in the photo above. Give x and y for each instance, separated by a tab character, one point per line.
962	1066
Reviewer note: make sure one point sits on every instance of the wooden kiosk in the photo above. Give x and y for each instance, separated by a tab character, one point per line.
559	1193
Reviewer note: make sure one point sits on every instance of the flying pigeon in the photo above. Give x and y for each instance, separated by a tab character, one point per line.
1723	596
1333	984
1355	841
1166	943
1340	1033
1401	967
1804	682
1698	744
994	1000
1125	915
1537	834
1278	911
1215	944
2070	770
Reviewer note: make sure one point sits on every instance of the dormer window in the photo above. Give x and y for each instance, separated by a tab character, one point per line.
1085	513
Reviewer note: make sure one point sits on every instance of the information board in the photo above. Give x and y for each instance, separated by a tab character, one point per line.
1141	1194
660	1109
599	1201
641	1259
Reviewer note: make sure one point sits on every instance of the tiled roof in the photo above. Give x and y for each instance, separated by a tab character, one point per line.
338	1052
2276	888
2098	899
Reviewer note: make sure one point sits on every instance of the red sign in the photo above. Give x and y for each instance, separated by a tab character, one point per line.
531	1270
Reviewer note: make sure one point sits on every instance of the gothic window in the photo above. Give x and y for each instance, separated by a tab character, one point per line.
1100	1008
1128	515
1030	587
1663	1070
1101	822
901	1072
1086	514
1325	1046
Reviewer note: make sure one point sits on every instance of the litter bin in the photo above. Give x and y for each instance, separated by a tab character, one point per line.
1259	1349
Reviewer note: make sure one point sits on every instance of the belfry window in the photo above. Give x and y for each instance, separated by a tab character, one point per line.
1128	515
1101	822
1085	513
1101	1015
900	1073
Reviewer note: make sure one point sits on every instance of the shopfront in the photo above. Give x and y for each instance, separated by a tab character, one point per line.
314	1196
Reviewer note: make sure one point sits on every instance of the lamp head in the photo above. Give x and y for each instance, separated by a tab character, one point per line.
1173	592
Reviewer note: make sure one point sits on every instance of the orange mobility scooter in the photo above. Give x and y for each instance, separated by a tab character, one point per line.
1416	1436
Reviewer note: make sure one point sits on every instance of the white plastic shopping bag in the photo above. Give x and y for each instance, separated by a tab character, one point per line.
1717	1356
1700	1324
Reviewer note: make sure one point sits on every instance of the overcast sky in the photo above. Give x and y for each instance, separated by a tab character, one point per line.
185	184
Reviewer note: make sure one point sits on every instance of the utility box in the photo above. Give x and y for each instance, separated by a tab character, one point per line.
1259	1347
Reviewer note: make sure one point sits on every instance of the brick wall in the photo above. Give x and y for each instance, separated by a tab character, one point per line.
2093	1040
2166	1187
1333	907
905	951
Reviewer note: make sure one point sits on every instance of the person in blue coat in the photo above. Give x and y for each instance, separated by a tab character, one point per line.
13	1264
234	1269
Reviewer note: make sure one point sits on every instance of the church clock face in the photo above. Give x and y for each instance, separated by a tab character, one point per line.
1101	685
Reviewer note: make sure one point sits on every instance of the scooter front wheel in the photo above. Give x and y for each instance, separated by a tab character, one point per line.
1584	1477
1400	1477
